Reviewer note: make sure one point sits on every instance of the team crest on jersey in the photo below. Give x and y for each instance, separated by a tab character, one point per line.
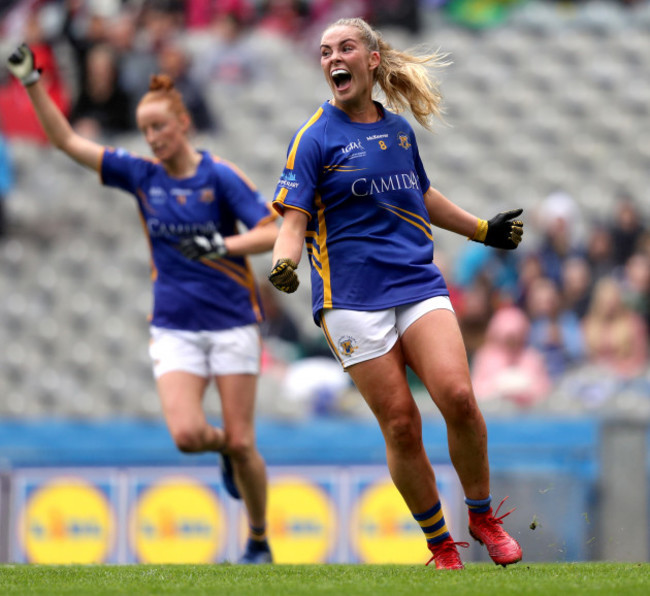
207	195
403	140
347	345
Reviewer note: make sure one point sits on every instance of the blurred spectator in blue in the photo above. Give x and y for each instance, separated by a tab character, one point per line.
506	367
560	225
500	267
175	62
6	183
555	331
615	335
576	285
103	108
627	228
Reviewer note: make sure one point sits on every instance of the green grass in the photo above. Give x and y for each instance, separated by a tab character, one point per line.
315	580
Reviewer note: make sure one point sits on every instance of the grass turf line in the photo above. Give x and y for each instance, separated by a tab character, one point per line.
486	579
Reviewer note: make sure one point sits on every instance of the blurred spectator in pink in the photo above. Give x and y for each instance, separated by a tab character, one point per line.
506	367
103	108
17	118
284	18
205	13
555	331
576	285
627	228
616	336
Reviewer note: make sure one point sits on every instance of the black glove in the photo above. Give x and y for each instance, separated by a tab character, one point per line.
203	246
501	231
283	276
22	66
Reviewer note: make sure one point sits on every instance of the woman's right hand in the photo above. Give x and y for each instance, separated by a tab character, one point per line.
22	65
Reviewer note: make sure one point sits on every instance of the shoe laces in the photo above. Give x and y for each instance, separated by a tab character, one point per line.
499	520
444	551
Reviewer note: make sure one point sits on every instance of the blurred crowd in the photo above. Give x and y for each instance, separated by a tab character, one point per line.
568	313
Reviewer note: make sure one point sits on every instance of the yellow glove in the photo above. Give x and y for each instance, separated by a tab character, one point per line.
283	276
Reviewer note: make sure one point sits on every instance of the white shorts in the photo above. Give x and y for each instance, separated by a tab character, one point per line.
206	353
356	335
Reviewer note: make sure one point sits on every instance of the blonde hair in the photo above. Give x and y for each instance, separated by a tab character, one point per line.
405	78
161	86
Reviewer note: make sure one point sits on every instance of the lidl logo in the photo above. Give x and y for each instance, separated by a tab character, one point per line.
177	520
302	523
383	529
67	520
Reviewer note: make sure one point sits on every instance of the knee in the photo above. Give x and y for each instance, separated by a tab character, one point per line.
403	432
188	440
460	405
239	448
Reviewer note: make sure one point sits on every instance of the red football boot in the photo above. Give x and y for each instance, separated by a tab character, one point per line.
445	554
486	529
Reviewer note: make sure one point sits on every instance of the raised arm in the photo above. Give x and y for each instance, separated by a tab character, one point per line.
54	123
500	231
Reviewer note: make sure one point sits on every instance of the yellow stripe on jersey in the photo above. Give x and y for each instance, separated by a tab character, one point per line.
278	202
396	211
291	160
338	168
237	171
242	275
324	255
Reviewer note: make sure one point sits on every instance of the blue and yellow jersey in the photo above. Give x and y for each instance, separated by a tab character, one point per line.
369	236
193	295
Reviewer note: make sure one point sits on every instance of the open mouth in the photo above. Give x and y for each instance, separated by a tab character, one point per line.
341	78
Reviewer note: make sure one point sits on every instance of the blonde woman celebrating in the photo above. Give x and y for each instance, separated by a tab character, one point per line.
355	190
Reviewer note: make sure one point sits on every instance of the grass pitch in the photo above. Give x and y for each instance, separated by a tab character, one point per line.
315	580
